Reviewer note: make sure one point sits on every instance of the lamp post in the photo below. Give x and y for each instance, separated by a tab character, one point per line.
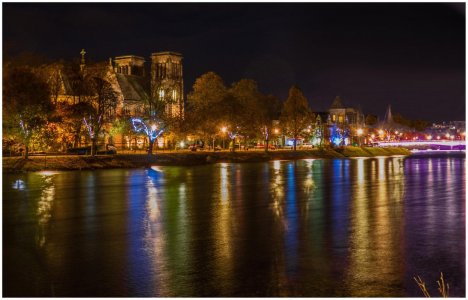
359	133
223	130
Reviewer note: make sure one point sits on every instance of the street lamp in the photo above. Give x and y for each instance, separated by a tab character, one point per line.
223	130
359	133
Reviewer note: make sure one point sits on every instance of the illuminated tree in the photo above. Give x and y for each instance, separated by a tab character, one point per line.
205	103
26	104
270	107
102	110
335	136
152	130
121	126
339	136
318	132
296	114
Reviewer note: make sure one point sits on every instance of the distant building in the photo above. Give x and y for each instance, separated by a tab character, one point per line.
448	129
341	115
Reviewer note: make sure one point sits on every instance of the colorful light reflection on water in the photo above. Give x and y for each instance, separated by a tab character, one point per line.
357	227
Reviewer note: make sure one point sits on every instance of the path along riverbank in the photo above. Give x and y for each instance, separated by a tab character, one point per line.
182	158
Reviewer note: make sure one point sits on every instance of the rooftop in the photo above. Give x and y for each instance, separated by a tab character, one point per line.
166	53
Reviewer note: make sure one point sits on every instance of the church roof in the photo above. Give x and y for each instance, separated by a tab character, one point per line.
67	85
133	87
337	103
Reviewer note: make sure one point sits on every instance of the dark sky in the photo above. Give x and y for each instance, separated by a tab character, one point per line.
411	56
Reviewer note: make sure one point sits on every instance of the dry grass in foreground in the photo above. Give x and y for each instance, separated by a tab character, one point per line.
443	287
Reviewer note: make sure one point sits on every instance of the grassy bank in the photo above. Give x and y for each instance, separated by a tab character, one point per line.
17	164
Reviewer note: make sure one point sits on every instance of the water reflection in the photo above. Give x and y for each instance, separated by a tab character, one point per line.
44	209
375	241
354	227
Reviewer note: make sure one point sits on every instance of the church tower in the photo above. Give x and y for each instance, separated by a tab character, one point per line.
167	84
130	65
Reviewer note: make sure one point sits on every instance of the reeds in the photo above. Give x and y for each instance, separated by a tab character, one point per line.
443	287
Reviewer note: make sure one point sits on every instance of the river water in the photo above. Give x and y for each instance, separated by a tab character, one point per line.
351	227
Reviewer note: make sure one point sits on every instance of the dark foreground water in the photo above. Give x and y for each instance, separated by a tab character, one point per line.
357	227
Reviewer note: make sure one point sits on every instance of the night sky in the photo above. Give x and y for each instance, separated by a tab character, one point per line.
411	56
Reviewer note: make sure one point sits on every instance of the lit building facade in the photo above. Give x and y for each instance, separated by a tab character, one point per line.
167	84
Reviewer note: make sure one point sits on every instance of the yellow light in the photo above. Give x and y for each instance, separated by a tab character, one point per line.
223	129
381	132
396	132
276	130
372	136
447	135
360	131
182	144
429	137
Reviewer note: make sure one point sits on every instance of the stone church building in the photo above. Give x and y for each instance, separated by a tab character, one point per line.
137	83
165	80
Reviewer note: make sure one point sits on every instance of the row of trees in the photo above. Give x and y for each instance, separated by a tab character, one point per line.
35	114
243	110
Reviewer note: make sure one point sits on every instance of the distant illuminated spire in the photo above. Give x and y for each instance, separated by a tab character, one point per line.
388	115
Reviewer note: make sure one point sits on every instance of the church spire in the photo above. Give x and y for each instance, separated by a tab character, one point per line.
388	115
83	62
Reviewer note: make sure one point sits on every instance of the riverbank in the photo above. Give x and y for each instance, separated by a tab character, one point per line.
182	158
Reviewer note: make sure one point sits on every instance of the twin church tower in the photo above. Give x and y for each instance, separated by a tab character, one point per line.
166	82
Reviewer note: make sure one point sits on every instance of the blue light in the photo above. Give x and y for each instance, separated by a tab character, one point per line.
152	133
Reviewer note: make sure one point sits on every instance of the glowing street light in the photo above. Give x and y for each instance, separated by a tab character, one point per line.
429	137
276	130
359	132
223	130
438	137
447	135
